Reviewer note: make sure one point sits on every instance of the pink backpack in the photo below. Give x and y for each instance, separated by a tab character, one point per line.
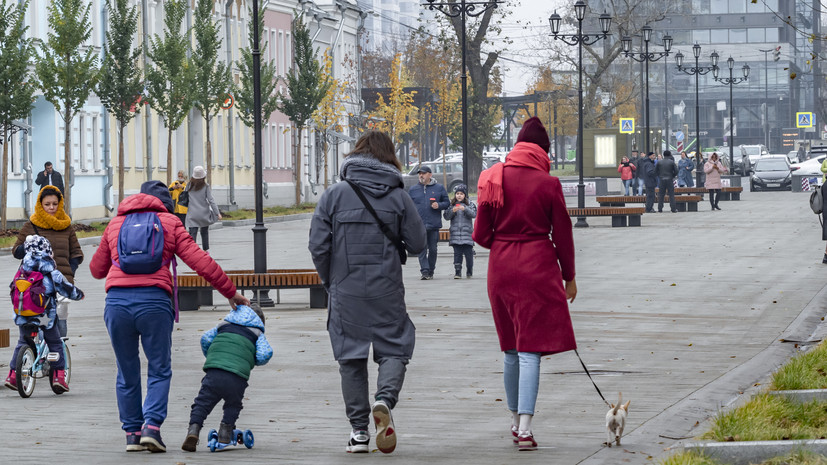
28	293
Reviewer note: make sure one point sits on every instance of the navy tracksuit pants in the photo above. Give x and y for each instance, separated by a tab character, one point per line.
218	384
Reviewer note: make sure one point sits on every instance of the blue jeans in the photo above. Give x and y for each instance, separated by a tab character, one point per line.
133	315
640	185
467	251
427	259
626	185
521	374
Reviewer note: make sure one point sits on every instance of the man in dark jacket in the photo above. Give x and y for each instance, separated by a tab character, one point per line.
50	177
430	199
646	172
666	171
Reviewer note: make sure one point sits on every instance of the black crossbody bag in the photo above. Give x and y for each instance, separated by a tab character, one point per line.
386	230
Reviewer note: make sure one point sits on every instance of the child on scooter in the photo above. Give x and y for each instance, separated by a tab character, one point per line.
232	349
39	258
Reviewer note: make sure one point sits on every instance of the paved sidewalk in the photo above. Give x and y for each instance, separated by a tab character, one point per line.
681	315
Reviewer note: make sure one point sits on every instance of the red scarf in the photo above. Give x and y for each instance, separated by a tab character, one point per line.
490	186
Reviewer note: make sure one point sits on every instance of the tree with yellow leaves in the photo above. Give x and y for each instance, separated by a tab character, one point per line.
328	115
398	116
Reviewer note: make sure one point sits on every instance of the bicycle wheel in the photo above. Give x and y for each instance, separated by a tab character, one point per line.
67	357
25	377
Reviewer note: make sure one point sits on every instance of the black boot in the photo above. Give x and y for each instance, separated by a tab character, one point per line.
469	273
225	433
192	437
458	272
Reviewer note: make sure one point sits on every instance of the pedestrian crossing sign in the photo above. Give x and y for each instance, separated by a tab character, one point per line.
804	119
627	125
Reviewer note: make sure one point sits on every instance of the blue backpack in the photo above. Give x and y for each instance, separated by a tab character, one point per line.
141	243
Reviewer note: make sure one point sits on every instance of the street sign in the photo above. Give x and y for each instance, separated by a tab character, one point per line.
679	136
627	125
804	119
227	102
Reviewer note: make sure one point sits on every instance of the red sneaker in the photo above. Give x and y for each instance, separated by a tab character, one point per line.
514	431
11	380
59	381
525	441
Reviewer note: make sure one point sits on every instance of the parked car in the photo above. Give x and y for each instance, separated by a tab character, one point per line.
771	172
754	152
792	156
453	173
741	163
811	167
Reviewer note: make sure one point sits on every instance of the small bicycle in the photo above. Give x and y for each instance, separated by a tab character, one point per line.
33	361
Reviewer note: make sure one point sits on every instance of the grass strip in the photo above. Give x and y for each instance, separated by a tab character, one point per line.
246	214
807	370
770	418
796	458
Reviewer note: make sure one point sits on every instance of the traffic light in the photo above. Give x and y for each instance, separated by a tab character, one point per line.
776	54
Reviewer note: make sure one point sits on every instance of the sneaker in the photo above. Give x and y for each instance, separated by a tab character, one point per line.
59	381
385	431
11	380
424	277
469	275
192	437
458	275
133	442
525	441
515	434
225	433
151	438
358	443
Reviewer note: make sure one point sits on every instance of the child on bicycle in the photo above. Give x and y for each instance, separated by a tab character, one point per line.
232	349
39	258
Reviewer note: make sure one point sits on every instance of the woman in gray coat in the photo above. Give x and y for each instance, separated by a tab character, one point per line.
201	210
361	270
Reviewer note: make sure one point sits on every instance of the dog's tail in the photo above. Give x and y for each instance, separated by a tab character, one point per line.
619	402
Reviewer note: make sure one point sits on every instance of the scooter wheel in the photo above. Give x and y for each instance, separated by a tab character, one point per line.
249	440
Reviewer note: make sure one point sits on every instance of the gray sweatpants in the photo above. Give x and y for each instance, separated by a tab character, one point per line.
355	389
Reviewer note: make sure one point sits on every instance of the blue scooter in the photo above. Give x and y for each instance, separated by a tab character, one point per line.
241	437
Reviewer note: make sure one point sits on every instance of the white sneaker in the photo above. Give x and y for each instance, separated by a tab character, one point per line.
385	431
358	443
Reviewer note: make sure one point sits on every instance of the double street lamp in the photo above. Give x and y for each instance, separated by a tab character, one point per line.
645	57
731	81
696	71
579	40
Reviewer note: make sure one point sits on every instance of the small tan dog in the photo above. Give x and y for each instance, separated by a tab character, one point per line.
616	420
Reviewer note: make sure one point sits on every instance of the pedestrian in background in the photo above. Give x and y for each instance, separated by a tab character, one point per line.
50	177
361	269
139	311
522	219
175	190
666	171
685	167
51	221
202	210
640	172
461	214
634	159
714	169
430	199
627	173
646	171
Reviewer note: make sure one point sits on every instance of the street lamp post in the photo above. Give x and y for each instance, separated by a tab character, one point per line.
731	81
766	97
696	71
463	9
645	57
579	40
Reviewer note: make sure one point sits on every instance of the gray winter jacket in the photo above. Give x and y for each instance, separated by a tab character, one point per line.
202	210
462	224
359	266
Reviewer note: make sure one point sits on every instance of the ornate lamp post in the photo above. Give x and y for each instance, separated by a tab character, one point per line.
645	57
696	71
463	9
579	40
731	81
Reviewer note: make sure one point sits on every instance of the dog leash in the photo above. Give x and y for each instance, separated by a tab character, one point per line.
591	379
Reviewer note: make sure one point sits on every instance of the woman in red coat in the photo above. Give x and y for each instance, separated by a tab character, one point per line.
522	218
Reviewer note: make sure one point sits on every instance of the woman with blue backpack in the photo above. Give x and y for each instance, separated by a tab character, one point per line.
134	255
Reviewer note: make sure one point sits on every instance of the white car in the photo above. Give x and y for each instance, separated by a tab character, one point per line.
793	156
811	167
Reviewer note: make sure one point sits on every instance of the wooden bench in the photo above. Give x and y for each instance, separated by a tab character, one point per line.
444	235
194	291
682	202
727	193
621	216
5	340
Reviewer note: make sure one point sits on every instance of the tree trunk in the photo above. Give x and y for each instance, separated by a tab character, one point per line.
208	157
325	162
121	170
169	156
5	176
67	156
298	166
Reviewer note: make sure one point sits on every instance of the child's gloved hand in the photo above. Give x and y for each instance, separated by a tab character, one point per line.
82	295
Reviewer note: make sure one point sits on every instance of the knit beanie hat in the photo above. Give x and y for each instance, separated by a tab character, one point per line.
533	131
461	188
35	244
159	190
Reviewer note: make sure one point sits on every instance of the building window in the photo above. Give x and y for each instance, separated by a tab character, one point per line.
756	34
605	151
701	36
737	6
772	34
719	36
737	36
718	7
